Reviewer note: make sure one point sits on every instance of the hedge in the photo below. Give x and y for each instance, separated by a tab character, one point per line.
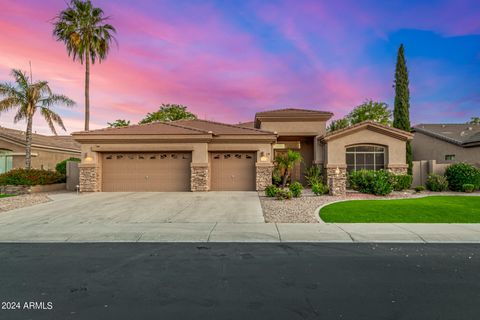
31	177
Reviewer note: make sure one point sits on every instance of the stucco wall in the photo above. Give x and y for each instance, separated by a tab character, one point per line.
46	159
429	148
336	147
295	127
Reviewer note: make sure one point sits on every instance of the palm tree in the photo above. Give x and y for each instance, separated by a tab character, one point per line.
87	37
28	97
285	163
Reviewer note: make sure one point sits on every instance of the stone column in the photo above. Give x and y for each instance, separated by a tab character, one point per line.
199	177
398	168
263	175
336	179
90	178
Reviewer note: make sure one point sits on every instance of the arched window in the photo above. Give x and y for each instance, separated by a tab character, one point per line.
6	161
368	157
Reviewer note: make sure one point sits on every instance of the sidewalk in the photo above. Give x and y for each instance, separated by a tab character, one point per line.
253	232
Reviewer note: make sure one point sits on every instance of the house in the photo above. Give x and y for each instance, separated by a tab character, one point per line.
47	151
447	143
201	155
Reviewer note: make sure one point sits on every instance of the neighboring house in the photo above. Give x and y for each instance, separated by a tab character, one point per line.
447	143
201	155
47	151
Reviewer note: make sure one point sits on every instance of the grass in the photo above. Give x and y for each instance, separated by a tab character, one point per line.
433	209
6	195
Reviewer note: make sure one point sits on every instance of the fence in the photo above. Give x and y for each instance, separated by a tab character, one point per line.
73	175
421	170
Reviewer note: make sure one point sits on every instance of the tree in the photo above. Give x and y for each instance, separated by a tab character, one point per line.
82	28
401	111
368	111
371	111
29	97
474	120
338	124
285	163
119	123
169	112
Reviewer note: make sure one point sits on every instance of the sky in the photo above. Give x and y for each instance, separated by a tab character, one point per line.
226	60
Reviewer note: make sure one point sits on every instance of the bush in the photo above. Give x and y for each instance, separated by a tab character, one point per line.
468	187
296	189
61	167
459	174
313	175
284	194
401	181
31	177
419	189
271	191
437	183
320	188
276	177
370	181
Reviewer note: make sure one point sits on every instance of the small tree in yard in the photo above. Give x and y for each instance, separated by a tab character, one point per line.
28	97
285	163
368	111
169	112
401	111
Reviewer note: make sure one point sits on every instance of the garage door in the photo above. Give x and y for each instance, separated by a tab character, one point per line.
233	171
169	171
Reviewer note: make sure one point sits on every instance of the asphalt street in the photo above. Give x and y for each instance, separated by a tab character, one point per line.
239	281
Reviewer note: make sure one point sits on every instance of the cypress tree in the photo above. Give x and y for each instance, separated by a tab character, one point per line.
401	111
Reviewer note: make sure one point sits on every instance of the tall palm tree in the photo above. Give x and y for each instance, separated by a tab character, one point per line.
28	97
87	36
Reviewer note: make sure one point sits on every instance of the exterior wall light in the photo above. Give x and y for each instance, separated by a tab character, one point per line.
337	171
263	157
88	158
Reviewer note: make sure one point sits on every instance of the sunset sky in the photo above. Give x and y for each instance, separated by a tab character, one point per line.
227	60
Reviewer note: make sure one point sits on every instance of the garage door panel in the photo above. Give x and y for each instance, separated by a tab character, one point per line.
233	171
143	172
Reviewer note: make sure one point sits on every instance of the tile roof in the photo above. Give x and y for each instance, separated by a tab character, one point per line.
219	128
288	111
39	140
368	124
457	133
179	127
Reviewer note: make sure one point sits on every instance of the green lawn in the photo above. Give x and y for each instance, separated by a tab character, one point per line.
434	209
6	195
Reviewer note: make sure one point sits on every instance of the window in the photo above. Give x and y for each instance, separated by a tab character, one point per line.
449	157
365	157
6	161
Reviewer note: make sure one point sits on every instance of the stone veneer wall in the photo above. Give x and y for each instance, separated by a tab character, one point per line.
263	176
90	179
398	169
337	183
199	178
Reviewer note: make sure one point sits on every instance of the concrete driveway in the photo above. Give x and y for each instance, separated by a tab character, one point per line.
134	207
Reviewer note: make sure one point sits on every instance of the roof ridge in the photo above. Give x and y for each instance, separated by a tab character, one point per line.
170	123
293	109
363	123
140	125
228	125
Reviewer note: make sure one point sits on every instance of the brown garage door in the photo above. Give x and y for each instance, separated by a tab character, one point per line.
233	171
168	171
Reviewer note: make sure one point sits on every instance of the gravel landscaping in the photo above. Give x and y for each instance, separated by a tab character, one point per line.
24	200
302	210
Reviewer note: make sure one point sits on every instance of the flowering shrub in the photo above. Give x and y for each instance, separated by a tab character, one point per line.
31	177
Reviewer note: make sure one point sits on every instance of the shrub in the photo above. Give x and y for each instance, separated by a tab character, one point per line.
31	177
370	181
459	174
419	189
437	183
61	167
401	181
271	191
313	175
468	187
283	194
296	189
276	177
320	188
